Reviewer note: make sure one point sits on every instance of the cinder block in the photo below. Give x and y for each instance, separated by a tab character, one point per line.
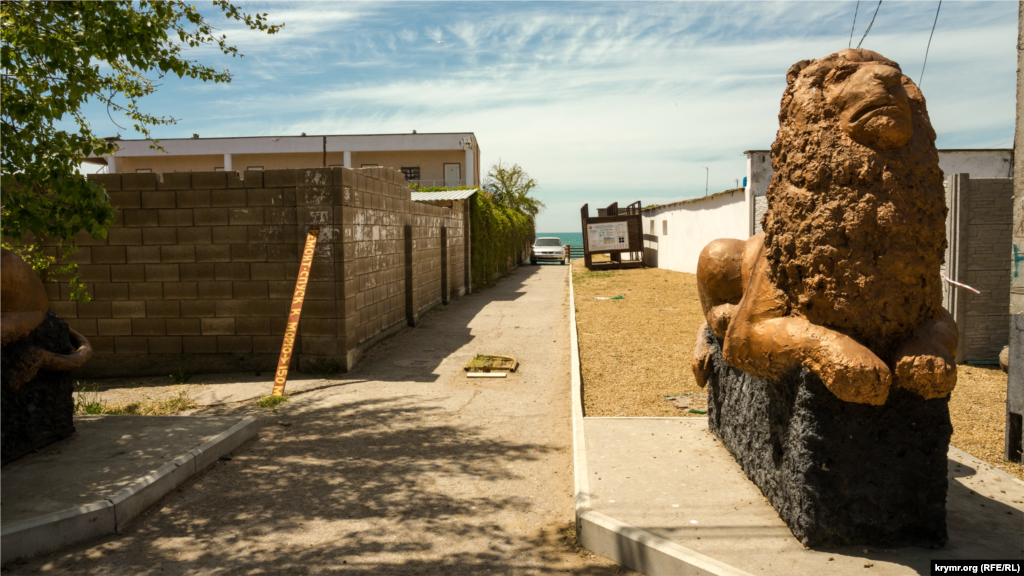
266	344
234	344
249	252
250	290
162	272
165	345
272	308
63	308
214	290
230	234
124	237
94	272
270	234
275	216
181	290
128	309
195	235
252	178
195	271
149	327
217	326
213	253
209	180
252	326
210	216
163	308
199	344
227	198
141	218
236	308
183	327
327	346
110	182
159	236
84	326
109	291
231	271
175	217
108	255
131	345
146	291
248	216
319	309
288	253
265	197
158	199
125	199
234	180
281	288
139	181
117	327
175	181
181	253
143	254
102	344
193	198
199	308
280	178
319	327
267	271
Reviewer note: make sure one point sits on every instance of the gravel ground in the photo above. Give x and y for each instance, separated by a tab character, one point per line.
635	355
403	466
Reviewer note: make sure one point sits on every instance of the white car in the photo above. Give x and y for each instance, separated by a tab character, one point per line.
549	250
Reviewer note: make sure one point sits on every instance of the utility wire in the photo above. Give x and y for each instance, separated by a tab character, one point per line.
872	23
855	10
921	79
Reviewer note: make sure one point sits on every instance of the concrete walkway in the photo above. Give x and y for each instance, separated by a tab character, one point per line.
403	466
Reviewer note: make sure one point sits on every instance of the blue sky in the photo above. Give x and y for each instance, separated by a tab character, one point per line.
598	101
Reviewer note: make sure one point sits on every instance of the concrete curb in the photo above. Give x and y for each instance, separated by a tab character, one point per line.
632	547
56	530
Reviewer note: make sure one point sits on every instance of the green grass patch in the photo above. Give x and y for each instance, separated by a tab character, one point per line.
271	401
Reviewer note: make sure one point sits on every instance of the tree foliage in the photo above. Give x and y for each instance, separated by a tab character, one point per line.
501	239
55	57
58	56
510	186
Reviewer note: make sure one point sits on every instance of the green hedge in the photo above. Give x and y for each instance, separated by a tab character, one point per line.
500	238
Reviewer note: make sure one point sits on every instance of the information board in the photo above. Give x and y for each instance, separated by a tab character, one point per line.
609	236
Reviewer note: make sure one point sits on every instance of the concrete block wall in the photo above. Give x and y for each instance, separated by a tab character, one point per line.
980	253
199	268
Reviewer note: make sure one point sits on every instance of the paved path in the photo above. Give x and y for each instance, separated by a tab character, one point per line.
403	466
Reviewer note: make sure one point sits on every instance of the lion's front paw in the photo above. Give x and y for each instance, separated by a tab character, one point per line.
701	363
855	374
930	375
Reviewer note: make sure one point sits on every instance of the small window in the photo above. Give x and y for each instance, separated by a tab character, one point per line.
411	172
652	227
143	171
255	168
218	169
664	227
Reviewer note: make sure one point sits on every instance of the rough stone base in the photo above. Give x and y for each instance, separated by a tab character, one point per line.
42	410
838	473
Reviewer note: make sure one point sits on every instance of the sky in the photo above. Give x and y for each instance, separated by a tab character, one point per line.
597	101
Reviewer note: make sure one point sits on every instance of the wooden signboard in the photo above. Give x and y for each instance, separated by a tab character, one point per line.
617	233
292	328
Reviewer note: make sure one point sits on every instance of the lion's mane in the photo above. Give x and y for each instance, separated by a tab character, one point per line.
854	234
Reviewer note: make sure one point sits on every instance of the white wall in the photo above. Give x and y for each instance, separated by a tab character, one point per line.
978	163
691	225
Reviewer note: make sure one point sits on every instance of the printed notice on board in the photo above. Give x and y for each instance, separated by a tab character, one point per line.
610	236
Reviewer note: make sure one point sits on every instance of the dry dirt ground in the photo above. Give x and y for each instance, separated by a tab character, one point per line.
635	355
403	466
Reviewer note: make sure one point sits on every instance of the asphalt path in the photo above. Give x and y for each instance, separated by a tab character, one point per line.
403	466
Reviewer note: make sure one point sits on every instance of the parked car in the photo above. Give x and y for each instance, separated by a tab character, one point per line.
549	250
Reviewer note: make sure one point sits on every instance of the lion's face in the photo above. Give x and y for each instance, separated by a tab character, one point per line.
873	105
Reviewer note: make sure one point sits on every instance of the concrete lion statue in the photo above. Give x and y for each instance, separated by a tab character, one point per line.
845	280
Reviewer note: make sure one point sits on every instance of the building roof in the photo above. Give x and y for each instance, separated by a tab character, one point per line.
694	200
444	195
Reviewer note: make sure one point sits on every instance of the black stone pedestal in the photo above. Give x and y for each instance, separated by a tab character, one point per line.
838	473
42	410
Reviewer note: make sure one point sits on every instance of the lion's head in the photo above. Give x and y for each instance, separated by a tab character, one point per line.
855	227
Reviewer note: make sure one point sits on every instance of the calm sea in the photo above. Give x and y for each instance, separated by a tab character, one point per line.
574	238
